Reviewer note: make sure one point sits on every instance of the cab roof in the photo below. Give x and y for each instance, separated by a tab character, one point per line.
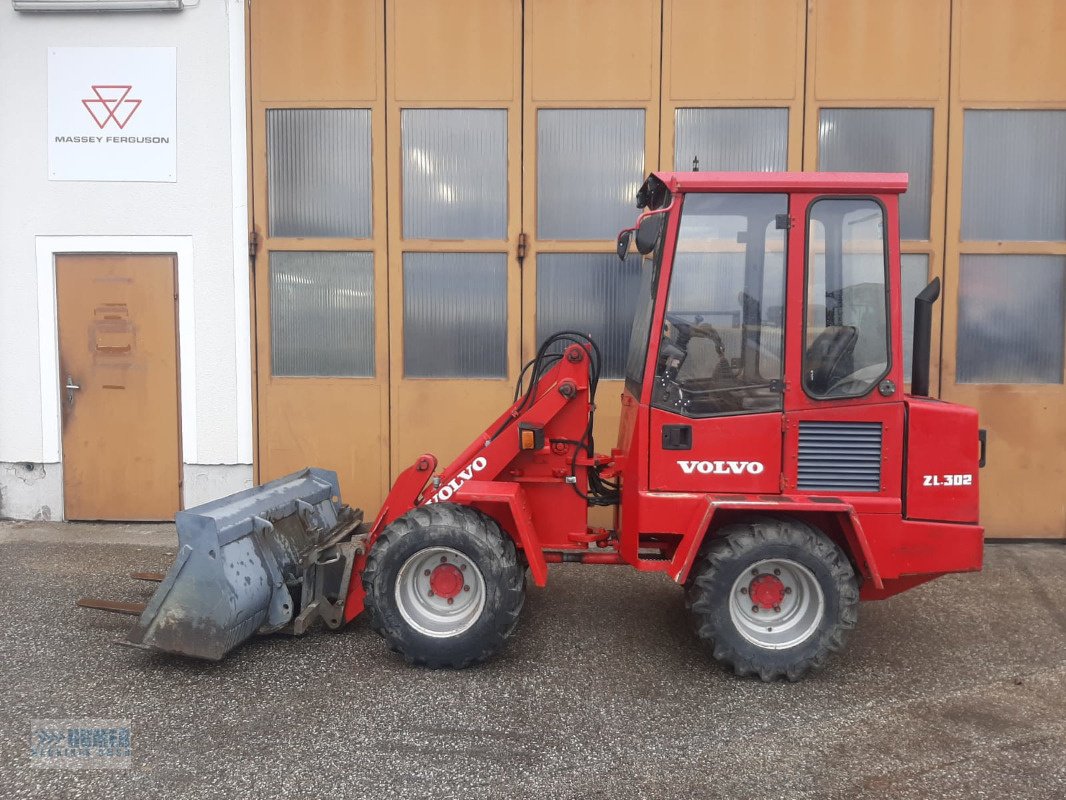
844	182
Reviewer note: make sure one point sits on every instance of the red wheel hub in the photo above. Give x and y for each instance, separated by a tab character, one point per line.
766	591
446	581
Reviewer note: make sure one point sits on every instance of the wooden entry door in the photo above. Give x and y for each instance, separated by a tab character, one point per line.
118	376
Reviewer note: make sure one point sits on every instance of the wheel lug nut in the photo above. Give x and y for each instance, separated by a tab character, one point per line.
755	572
451	600
466	588
462	567
777	572
743	589
443	559
426	573
755	609
788	590
430	592
777	609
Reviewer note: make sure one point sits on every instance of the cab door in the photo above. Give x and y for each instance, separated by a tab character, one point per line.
717	401
844	412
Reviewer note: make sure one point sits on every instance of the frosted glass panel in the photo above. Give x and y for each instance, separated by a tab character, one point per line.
454	173
915	278
590	164
1011	319
322	314
455	315
731	139
318	172
591	293
883	140
1014	176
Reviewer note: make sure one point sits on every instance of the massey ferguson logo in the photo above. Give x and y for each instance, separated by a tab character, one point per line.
111	104
722	467
465	474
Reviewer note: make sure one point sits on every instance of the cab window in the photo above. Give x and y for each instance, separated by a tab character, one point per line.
721	350
846	322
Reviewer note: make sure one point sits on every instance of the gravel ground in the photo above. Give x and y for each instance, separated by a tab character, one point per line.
956	689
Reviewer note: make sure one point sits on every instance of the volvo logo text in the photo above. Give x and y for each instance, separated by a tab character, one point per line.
465	474
721	467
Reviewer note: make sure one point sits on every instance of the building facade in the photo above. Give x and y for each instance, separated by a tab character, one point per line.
382	206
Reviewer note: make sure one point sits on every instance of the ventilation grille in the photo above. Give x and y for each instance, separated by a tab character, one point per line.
840	456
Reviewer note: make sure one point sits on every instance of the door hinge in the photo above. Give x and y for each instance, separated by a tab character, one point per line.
783	222
523	243
253	243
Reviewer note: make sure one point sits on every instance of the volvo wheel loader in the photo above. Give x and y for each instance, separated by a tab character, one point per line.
768	459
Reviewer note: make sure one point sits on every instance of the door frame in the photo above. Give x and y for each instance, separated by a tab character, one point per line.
48	247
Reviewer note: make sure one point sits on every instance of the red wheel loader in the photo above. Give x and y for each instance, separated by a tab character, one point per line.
768	459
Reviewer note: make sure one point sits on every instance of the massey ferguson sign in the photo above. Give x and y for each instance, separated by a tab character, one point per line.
112	114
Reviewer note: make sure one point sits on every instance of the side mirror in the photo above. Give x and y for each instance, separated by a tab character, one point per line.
648	232
623	243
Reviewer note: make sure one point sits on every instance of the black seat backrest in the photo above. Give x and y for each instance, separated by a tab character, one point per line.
829	357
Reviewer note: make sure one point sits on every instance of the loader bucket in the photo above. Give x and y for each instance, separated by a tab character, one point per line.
266	559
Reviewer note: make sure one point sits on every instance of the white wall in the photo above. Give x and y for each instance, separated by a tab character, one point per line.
207	204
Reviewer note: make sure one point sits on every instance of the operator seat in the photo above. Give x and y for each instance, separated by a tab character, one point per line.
829	357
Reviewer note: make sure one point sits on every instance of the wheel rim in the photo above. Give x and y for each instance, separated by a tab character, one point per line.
440	592
776	603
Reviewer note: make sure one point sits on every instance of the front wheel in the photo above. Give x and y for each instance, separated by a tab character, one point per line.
773	598
444	586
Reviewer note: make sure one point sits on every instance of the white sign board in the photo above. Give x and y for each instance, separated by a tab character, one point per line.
112	114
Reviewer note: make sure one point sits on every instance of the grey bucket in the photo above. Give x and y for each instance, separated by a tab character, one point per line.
271	558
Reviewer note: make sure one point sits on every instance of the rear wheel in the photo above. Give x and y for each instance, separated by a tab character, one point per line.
773	598
444	586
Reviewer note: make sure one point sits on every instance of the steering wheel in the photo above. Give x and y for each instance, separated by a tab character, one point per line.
674	348
858	382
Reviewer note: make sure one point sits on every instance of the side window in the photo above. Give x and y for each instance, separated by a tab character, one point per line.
846	326
722	344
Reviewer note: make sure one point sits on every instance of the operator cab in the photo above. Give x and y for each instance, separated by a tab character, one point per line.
721	346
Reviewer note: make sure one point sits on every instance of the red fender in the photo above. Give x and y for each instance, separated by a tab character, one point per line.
511	495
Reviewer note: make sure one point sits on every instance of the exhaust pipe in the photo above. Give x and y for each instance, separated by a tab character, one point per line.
923	337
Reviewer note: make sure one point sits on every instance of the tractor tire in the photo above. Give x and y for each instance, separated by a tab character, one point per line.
773	598
444	586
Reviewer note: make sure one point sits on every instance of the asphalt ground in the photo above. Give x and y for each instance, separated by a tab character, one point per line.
956	689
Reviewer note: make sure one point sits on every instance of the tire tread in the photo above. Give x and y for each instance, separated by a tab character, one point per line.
737	542
511	591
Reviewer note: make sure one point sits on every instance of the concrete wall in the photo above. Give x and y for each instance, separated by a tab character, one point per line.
207	205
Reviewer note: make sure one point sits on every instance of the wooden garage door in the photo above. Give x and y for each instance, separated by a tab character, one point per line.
321	273
1005	298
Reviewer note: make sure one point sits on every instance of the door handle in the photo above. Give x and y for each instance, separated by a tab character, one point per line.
70	387
677	437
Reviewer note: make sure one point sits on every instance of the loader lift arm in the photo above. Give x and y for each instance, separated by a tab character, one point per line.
538	454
